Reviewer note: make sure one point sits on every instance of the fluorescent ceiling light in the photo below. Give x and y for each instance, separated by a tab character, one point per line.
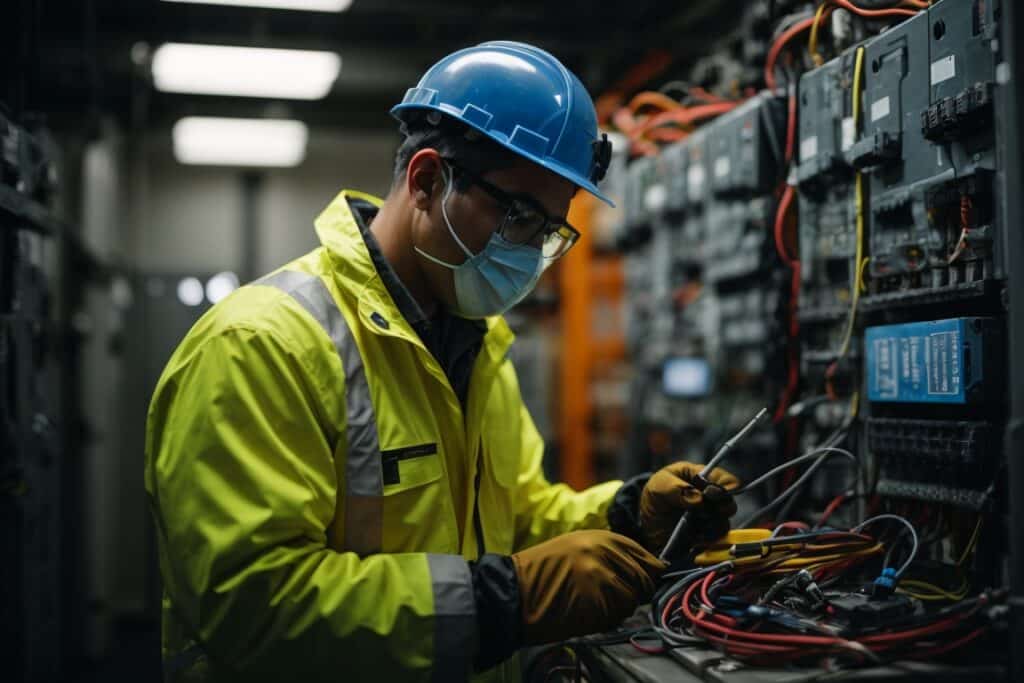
190	291
245	71
239	142
307	5
220	285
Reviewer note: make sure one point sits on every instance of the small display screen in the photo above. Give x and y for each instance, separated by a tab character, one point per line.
686	377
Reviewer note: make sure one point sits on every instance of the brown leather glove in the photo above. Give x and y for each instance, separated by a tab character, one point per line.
582	582
670	492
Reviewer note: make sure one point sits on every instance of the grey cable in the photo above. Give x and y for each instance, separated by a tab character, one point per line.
904	522
816	453
826	452
834	439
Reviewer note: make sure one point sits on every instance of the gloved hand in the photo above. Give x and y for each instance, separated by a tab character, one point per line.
670	492
582	582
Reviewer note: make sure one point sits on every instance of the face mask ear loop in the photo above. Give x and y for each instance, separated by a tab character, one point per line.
449	178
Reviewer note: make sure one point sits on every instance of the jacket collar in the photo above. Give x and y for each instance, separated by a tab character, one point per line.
354	271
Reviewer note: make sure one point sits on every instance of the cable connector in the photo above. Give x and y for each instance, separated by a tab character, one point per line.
885	584
806	583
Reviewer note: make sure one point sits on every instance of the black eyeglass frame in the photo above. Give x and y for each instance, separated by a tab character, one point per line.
507	201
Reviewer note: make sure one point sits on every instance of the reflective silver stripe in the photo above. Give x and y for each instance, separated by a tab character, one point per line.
454	617
364	484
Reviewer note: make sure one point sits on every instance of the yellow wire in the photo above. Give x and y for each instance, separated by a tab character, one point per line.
812	44
858	73
860	275
935	592
813	561
971	543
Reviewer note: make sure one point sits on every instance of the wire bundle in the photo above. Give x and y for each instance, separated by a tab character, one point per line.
775	606
900	9
652	117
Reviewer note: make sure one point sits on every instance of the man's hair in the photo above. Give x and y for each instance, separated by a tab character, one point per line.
452	139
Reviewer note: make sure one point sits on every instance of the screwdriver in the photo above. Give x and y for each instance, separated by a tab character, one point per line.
700	482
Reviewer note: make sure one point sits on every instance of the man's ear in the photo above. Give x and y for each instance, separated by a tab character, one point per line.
424	177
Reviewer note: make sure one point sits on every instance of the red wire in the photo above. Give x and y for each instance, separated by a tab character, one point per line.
881	641
753	648
736	633
776	48
875	13
831	508
952	645
791	128
701	93
792	361
668	608
704	590
928	630
780	224
646	650
683	116
801	26
798	526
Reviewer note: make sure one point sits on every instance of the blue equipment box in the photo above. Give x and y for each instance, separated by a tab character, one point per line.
941	361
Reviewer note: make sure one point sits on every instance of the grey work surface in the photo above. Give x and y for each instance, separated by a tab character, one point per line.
624	664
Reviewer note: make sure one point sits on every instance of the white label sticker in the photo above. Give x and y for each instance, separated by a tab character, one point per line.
887	368
943	364
695	178
879	109
655	198
808	148
721	167
943	69
849	134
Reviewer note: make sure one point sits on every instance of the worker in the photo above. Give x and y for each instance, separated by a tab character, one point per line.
345	481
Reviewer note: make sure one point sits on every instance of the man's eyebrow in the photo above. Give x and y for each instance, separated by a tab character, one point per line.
526	197
532	201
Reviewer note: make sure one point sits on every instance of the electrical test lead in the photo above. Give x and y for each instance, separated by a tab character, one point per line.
700	482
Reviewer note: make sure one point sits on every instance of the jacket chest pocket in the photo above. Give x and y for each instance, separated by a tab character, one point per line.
415	500
410	467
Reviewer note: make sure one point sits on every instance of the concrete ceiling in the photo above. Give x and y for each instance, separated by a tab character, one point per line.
76	56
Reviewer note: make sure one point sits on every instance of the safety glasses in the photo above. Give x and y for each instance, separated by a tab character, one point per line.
526	221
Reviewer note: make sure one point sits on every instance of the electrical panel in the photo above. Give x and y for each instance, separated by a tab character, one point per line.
929	156
894	164
745	147
925	153
641	178
30	526
718	294
827	239
831	248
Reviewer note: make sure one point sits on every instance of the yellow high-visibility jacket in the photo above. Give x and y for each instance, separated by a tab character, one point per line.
314	481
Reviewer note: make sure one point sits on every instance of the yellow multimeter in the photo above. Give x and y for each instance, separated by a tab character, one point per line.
722	549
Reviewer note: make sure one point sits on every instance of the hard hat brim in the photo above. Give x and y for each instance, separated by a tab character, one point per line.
551	165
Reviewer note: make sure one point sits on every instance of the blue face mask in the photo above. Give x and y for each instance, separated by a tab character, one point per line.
496	279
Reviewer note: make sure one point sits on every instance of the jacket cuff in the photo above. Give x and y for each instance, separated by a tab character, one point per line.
624	512
498	612
454	616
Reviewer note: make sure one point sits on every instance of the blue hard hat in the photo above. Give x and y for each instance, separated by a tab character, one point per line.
525	100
